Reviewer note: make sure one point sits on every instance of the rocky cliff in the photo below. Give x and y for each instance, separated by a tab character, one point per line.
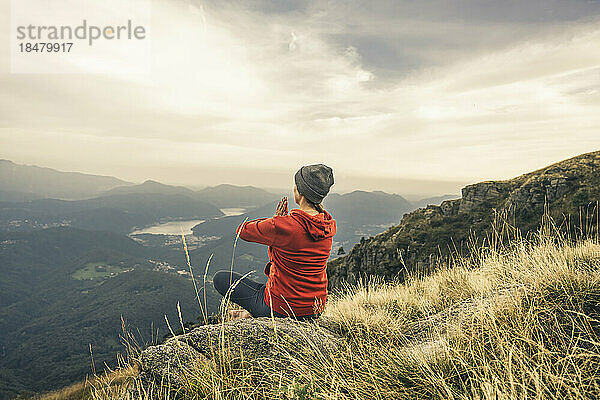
570	189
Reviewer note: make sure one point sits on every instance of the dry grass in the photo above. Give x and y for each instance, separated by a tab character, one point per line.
83	390
515	321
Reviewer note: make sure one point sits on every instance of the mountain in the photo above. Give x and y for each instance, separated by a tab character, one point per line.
437	200
357	214
353	209
434	232
360	213
157	205
225	226
118	212
64	289
227	196
150	187
222	196
34	181
29	182
13	195
363	208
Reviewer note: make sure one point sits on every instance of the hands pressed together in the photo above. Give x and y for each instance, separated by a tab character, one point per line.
282	207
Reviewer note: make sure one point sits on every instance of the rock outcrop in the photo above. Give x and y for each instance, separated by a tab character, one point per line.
253	340
480	193
429	235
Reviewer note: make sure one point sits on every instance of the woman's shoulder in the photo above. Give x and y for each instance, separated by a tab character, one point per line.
305	212
292	220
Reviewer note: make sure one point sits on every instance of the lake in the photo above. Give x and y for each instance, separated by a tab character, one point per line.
232	211
171	228
175	227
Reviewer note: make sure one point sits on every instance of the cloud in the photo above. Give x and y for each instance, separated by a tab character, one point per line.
385	89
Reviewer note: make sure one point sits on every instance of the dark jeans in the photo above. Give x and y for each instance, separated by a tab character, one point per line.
248	294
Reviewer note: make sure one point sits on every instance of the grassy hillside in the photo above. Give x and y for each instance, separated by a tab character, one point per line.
570	190
515	321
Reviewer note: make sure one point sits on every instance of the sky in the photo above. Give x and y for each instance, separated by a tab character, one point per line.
409	97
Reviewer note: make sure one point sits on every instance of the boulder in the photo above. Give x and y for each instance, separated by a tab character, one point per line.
254	339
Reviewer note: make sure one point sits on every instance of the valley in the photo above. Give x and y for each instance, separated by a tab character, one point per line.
74	268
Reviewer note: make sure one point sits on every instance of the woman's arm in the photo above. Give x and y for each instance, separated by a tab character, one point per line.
261	230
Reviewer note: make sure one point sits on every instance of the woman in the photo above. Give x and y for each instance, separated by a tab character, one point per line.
299	244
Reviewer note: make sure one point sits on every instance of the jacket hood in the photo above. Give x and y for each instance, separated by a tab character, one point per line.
319	227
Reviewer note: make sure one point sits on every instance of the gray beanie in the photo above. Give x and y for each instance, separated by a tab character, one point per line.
314	181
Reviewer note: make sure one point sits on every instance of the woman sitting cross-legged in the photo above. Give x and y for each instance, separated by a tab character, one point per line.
299	244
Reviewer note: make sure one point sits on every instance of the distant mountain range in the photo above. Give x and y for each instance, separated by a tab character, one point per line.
118	212
569	189
150	187
224	196
228	196
34	198
357	214
363	208
27	182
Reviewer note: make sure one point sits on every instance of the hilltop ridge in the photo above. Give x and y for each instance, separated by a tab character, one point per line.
25	182
434	232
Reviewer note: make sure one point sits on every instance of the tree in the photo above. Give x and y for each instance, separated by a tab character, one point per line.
341	251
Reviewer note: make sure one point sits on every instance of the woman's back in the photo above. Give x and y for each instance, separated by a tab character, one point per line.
299	247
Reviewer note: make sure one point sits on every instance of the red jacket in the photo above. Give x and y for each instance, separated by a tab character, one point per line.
299	246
